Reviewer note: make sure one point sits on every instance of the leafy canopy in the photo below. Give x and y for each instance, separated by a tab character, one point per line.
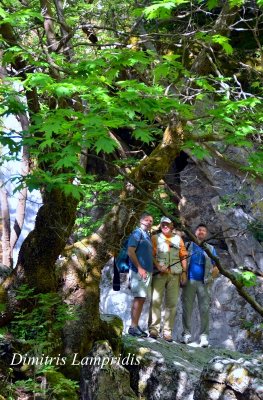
113	71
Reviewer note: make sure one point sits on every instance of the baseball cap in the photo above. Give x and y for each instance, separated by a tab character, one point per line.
166	219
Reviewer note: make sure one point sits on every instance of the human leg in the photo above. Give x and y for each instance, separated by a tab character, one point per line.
171	300
158	286
139	289
203	305
136	310
188	297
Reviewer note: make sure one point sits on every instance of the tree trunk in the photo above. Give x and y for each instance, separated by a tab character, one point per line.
6	248
40	250
82	272
21	206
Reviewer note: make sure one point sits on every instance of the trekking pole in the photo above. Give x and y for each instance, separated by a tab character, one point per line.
177	262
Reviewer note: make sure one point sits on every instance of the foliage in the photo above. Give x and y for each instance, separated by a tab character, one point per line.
108	88
38	326
246	278
40	321
166	200
256	227
98	196
59	387
233	200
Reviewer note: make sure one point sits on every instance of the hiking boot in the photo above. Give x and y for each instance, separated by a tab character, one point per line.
167	337
135	331
153	334
204	341
144	334
186	338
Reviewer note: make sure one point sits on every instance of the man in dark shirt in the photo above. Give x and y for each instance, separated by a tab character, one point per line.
201	271
141	266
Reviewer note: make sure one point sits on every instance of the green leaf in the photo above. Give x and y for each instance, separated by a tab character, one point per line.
161	71
105	144
224	42
66	162
3	13
38	79
236	3
249	278
203	83
64	89
212	4
143	135
197	150
162	9
73	190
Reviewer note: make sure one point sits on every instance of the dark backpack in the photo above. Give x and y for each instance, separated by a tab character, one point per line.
121	263
122	259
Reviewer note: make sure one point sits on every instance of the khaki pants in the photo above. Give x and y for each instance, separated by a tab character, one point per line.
190	291
168	285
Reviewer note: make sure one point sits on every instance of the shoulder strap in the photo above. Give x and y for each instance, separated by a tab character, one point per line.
116	285
139	242
188	245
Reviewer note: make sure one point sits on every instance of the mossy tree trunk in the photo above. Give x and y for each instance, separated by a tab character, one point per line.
82	272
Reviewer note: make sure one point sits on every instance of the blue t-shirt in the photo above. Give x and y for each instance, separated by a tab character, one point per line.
196	268
144	250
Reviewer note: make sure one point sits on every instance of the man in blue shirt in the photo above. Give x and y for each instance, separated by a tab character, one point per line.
140	253
201	271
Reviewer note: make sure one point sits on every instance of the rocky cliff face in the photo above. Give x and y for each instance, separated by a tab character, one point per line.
170	371
231	207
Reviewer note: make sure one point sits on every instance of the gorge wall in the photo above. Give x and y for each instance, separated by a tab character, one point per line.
231	206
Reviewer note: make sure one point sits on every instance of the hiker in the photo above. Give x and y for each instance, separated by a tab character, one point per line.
201	271
170	267
140	274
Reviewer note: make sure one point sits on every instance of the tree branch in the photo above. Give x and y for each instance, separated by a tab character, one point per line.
48	24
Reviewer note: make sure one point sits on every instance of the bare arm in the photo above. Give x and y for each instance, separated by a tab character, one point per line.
183	255
135	261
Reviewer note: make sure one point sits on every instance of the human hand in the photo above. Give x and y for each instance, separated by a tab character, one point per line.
142	273
183	280
163	269
215	272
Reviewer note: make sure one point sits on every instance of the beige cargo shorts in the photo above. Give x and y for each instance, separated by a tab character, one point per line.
140	287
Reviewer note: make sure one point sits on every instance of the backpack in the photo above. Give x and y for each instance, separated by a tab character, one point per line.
121	263
122	259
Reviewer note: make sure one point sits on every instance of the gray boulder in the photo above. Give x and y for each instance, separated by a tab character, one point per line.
104	377
227	379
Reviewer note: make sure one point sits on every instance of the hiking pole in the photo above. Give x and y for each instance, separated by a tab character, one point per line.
177	262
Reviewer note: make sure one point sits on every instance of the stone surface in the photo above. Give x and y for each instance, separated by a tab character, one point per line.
171	371
225	378
112	328
228	205
105	378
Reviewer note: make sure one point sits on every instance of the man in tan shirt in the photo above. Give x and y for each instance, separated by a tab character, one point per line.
170	268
